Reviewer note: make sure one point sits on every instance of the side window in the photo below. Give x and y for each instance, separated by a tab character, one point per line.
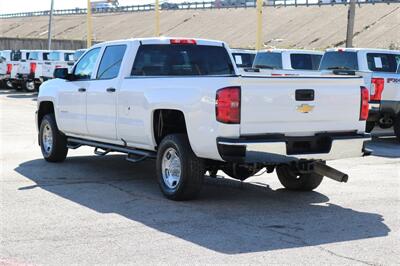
85	66
111	62
382	62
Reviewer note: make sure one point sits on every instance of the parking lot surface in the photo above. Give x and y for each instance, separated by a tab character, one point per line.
106	210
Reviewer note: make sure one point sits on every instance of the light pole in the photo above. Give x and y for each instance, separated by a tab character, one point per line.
50	22
350	23
89	25
259	24
157	10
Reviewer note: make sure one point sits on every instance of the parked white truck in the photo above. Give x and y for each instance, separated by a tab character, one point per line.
379	69
9	66
57	59
182	102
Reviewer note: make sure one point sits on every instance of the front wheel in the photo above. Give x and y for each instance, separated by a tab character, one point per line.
52	142
180	173
292	180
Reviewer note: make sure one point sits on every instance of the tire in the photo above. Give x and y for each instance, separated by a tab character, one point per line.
180	173
52	142
239	172
293	181
369	126
29	86
396	126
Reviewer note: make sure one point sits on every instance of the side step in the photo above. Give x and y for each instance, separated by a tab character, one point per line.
132	154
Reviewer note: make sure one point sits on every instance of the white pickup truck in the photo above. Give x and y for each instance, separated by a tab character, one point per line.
9	66
379	69
57	59
182	102
30	70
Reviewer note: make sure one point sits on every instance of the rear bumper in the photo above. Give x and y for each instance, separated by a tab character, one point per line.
4	77
279	149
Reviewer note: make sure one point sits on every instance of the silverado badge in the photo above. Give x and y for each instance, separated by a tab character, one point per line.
305	108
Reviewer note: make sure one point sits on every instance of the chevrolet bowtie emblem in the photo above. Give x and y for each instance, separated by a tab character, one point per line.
305	108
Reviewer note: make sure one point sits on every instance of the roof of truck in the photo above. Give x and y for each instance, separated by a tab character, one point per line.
246	51
362	49
300	51
163	40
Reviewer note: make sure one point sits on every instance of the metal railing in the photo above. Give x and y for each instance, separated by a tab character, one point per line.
196	5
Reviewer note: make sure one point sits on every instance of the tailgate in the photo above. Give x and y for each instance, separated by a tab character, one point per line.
24	68
300	106
3	68
48	69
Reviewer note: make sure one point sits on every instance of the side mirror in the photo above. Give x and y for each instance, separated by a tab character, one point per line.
61	73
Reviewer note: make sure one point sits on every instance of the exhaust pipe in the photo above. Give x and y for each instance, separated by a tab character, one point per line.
324	170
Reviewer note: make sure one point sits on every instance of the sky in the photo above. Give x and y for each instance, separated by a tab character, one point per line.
14	6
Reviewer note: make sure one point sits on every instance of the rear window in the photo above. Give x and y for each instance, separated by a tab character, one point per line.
54	56
268	60
182	60
243	59
383	62
16	56
68	57
33	56
305	61
339	60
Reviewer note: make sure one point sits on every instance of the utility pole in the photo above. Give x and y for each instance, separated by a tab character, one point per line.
89	25
350	23
50	22
157	10
259	25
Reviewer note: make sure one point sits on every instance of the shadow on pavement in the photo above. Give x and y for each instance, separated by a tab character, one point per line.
384	147
229	217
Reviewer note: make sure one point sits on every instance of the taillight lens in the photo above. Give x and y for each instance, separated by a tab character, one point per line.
377	85
9	68
227	105
33	68
364	107
182	41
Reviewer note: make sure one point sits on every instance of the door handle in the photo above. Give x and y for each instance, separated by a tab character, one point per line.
81	89
110	90
305	95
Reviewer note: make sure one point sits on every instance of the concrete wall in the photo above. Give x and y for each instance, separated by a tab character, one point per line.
28	43
284	27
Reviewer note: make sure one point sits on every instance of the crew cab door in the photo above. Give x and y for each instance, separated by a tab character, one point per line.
72	95
102	95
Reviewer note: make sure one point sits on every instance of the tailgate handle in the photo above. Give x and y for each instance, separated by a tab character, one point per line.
304	95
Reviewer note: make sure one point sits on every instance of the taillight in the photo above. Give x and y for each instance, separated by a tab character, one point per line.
182	41
377	85
227	105
33	68
364	106
9	68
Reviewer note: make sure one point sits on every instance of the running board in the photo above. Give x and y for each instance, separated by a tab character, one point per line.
75	143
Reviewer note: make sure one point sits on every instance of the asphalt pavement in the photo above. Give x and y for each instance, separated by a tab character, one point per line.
106	210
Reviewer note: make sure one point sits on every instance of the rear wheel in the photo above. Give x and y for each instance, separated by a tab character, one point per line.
30	86
292	180
52	142
180	173
396	126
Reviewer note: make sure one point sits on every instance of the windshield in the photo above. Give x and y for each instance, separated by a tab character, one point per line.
339	60
243	59
268	60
